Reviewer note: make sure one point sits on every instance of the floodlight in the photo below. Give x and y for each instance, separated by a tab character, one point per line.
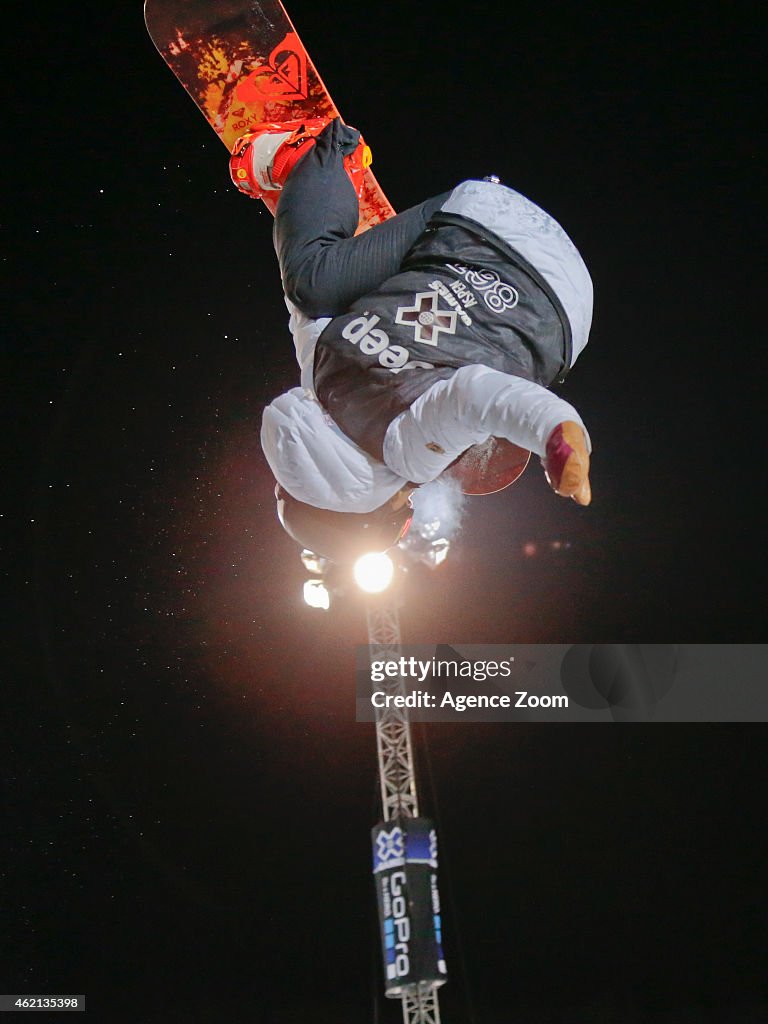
429	529
373	572
313	563
316	594
439	550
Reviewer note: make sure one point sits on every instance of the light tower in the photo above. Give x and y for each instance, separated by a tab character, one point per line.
404	844
397	776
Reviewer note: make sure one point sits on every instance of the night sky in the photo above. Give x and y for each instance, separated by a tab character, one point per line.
186	795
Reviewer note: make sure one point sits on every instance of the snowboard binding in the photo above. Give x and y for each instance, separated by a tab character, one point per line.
262	159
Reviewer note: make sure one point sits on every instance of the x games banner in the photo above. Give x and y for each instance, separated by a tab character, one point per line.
405	873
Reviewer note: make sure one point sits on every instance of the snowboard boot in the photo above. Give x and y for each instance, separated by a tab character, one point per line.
566	463
262	160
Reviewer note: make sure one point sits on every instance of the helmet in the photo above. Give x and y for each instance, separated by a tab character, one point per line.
341	536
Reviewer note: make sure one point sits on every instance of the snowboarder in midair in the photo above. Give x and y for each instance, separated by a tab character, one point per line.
417	340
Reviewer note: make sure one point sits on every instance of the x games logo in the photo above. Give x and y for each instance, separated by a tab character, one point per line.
426	318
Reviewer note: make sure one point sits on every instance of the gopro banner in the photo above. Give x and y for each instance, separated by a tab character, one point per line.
405	873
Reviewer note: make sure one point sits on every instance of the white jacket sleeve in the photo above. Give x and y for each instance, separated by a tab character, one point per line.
474	404
305	332
318	464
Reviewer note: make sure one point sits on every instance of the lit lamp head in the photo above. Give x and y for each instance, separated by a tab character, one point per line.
316	594
373	572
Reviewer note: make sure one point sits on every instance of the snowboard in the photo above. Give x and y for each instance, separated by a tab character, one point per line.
243	64
489	467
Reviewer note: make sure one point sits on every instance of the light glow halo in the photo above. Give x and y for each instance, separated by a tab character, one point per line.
374	572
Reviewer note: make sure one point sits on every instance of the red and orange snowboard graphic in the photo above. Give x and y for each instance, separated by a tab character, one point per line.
243	64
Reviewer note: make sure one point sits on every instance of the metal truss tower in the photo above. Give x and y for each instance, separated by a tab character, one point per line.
396	770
